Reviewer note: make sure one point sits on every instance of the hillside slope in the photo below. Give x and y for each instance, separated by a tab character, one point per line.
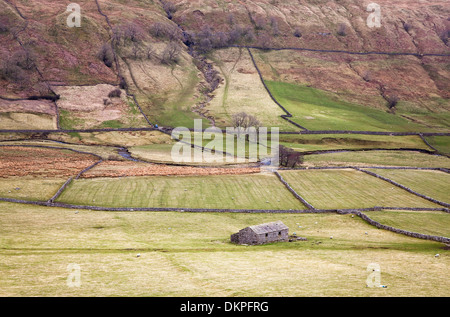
161	52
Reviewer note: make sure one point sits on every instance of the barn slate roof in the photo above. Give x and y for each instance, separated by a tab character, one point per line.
268	227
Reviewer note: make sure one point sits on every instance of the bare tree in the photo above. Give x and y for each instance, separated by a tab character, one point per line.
367	76
116	93
165	30
106	54
124	33
444	36
264	40
11	72
342	29
407	26
297	32
260	22
171	53
230	19
136	50
149	51
25	59
3	27
392	101
133	32
274	25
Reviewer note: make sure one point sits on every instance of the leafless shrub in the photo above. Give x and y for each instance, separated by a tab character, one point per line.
42	88
115	93
3	27
297	32
123	83
392	101
221	39
230	19
149	51
274	25
171	53
444	36
25	59
136	50
264	40
260	22
133	33
106	54
165	30
11	72
249	35
243	121
342	29
367	76
124	33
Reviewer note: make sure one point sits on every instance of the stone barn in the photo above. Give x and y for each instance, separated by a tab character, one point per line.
260	234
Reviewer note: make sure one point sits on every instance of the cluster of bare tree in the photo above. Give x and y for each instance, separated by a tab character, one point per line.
14	68
3	27
206	39
166	31
243	121
130	40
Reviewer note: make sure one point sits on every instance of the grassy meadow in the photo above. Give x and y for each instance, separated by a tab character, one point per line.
327	142
256	191
30	188
378	158
189	254
434	184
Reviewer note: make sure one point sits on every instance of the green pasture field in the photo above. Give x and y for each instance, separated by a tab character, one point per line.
328	189
190	254
242	91
434	184
317	142
256	191
316	110
441	143
378	158
436	223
